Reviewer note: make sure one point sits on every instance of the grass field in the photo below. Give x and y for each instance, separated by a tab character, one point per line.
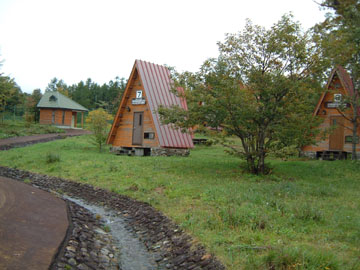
9	128
304	216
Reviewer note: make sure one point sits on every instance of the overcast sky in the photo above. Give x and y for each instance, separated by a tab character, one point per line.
100	39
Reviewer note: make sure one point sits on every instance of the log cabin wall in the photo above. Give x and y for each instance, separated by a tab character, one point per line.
328	115
46	117
125	123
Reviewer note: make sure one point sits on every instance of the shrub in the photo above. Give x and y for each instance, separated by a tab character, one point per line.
307	212
52	158
29	118
98	124
296	259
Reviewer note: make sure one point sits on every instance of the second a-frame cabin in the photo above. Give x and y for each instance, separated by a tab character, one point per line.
337	144
137	129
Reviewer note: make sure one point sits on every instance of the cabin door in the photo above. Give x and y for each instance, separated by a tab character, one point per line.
336	139
73	120
137	137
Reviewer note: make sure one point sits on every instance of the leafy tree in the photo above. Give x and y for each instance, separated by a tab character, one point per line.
340	39
10	92
31	110
58	85
259	87
98	124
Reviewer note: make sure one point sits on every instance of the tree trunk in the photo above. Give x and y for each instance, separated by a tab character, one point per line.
354	140
261	155
261	165
251	164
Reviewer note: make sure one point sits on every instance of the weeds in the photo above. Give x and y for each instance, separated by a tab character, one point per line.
308	212
106	228
52	158
27	181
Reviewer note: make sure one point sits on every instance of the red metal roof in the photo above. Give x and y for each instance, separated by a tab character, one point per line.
157	85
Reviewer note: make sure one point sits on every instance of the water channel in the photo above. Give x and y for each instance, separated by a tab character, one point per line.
134	255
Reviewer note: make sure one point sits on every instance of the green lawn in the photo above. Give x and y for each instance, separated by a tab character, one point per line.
9	128
304	216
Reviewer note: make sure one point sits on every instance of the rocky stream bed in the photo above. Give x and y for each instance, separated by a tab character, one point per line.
92	241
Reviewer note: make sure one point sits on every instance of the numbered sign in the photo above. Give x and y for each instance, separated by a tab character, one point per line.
139	94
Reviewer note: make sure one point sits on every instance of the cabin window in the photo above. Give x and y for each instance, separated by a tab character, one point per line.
63	117
349	139
53	117
52	98
149	135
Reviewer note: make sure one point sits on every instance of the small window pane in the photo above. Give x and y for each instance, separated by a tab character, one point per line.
348	139
149	135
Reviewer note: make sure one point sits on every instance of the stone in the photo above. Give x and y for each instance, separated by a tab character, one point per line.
206	257
104	251
69	254
93	254
104	259
97	244
71	249
82	267
59	264
72	262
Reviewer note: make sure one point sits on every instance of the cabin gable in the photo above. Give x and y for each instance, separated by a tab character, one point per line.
125	122
338	140
137	123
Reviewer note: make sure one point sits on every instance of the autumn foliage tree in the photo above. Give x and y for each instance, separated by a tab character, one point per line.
98	124
261	86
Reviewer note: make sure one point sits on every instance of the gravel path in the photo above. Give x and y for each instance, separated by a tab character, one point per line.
6	144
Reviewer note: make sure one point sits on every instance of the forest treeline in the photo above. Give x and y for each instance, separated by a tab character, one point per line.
91	95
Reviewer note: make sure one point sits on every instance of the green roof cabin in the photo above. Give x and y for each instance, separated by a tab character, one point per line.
57	109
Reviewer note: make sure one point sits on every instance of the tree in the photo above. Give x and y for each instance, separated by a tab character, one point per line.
340	38
98	124
10	93
58	85
260	86
31	110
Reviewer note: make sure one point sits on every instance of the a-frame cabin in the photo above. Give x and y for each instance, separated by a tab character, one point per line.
337	144
137	129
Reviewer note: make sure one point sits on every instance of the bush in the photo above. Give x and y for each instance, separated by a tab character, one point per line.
29	118
98	124
296	259
52	158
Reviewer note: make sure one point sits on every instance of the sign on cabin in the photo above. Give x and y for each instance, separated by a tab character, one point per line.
336	103
138	100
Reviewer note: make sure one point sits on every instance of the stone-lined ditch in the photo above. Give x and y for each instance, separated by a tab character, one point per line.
89	246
